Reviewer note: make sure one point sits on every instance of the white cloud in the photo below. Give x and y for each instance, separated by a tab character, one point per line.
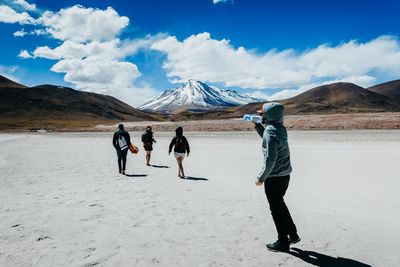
9	15
222	1
114	49
203	58
20	33
91	55
24	54
82	24
38	32
25	5
259	94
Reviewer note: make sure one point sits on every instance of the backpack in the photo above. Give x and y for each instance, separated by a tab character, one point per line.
122	142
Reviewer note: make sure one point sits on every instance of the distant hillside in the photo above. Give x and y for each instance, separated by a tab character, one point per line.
51	106
326	99
55	107
5	82
339	98
389	89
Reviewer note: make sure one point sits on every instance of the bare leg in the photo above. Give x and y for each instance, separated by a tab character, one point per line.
181	167
148	156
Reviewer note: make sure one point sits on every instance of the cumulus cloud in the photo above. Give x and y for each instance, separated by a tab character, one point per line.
25	5
82	24
91	55
204	58
9	15
24	54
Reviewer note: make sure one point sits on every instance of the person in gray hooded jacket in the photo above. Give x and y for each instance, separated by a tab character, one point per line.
275	173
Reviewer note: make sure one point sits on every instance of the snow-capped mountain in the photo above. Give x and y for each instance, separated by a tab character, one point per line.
196	96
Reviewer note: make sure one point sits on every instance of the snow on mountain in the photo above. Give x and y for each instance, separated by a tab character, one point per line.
196	96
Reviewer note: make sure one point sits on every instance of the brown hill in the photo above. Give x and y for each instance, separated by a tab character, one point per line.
5	82
339	98
389	89
49	106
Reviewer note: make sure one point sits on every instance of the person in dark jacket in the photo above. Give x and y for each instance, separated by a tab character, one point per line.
275	174
148	140
181	147
121	142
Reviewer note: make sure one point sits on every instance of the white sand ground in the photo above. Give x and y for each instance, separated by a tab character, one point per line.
62	202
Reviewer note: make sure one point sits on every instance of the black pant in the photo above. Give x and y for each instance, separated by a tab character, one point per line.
275	189
122	159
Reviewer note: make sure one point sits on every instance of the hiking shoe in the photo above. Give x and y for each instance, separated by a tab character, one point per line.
293	239
279	246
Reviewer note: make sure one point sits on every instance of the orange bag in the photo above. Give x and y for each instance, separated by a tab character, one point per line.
134	149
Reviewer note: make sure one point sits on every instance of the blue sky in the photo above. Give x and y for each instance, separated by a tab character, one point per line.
135	49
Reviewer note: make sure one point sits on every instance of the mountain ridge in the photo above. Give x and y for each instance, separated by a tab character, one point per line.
58	107
332	98
6	82
195	96
44	105
390	89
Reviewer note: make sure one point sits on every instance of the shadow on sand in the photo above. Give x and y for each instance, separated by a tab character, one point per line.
160	166
322	260
136	175
194	178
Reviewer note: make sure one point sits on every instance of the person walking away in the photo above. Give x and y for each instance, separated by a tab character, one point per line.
275	173
121	142
148	140
181	147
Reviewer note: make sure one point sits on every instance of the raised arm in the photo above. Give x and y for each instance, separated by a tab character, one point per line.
260	129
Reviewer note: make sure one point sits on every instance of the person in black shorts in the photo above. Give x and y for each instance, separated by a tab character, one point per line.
181	147
121	142
148	140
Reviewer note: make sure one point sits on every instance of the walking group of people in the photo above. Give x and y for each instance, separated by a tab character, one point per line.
274	175
122	143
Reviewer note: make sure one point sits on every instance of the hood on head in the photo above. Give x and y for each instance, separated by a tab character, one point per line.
273	112
179	131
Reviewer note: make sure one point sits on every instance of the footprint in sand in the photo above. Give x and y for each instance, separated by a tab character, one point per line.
91	264
43	238
155	260
90	249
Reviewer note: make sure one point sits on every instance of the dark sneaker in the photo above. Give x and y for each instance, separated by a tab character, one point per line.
293	239
279	246
123	172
